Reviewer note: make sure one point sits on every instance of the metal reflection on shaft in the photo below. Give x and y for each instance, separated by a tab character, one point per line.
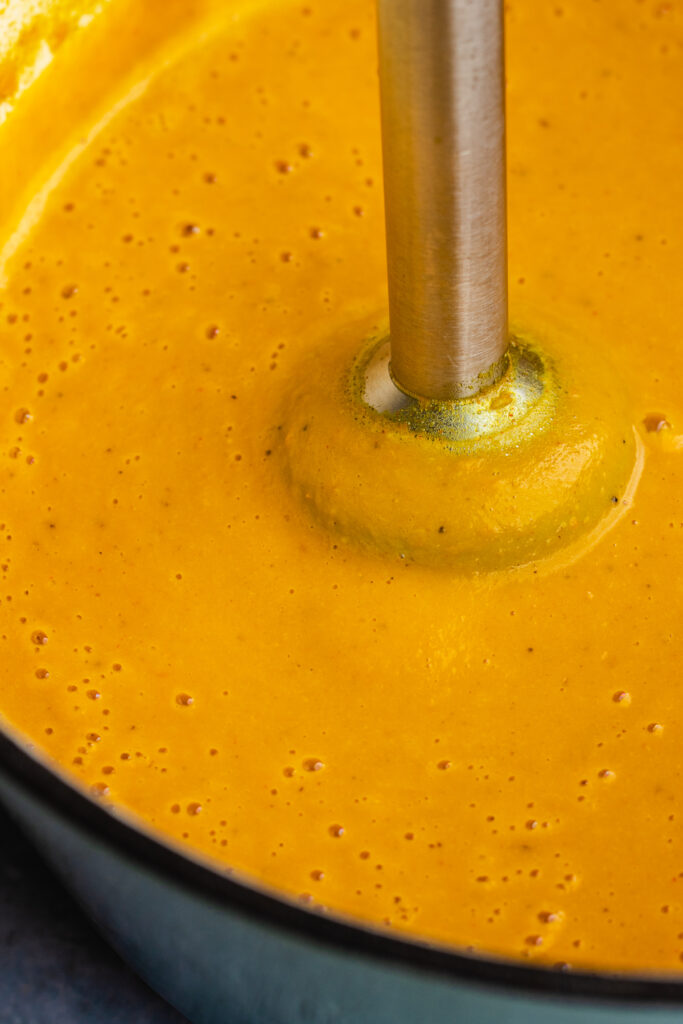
443	133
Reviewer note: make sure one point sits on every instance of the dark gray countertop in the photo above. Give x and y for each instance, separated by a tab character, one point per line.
54	968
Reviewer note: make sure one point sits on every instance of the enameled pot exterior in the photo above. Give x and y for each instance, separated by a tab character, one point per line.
221	960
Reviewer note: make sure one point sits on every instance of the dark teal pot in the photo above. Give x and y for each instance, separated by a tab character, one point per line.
225	953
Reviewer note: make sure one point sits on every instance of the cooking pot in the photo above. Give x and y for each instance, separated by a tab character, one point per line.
224	950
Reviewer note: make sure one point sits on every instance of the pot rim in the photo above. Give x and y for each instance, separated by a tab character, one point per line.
60	795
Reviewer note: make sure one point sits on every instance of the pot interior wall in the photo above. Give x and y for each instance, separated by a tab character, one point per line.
62	64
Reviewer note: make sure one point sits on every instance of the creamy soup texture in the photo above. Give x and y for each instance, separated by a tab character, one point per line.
491	761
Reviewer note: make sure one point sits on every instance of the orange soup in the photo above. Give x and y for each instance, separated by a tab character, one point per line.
490	761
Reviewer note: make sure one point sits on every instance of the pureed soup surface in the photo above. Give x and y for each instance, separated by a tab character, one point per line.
492	762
